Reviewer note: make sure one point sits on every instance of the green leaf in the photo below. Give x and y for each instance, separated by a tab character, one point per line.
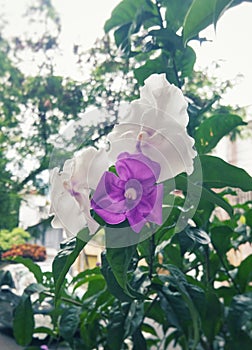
248	216
156	312
167	38
201	14
212	130
134	318
244	275
218	174
122	39
44	330
221	238
120	260
87	276
157	65
124	13
192	296
212	320
69	322
6	279
64	259
23	323
33	267
112	284
184	183
175	12
34	288
240	314
115	330
185	60
139	341
216	199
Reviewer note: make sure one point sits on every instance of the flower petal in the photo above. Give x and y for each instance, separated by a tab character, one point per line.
136	220
155	215
158	120
70	190
137	166
108	200
88	167
66	209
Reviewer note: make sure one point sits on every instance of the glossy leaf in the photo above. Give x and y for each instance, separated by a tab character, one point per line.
213	129
175	310
6	279
69	322
33	267
218	173
124	13
212	320
120	260
116	330
221	238
244	275
175	12
64	259
186	184
240	314
34	288
139	341
201	14
185	60
248	216
23	324
112	284
157	65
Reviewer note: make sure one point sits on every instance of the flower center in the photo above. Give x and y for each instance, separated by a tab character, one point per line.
131	194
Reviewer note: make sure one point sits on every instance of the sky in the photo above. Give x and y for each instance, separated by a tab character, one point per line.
83	20
231	43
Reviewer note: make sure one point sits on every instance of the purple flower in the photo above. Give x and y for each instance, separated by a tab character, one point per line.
130	194
44	347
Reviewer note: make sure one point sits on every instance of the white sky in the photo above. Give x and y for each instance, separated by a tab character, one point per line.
83	20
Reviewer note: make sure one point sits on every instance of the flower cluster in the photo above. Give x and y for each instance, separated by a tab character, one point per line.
26	250
124	184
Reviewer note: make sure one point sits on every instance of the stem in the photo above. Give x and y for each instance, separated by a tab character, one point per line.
159	14
195	317
71	301
227	272
175	71
207	264
152	248
150	306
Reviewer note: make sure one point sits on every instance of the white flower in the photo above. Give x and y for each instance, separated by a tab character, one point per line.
156	123
70	190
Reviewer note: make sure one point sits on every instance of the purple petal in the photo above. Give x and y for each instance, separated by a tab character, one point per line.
137	166
136	220
110	187
133	195
110	217
155	214
147	203
108	200
149	209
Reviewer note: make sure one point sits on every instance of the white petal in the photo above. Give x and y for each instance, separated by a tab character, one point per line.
89	165
72	213
159	119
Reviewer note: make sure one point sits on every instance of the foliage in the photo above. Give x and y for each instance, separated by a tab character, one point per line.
10	238
27	250
178	287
